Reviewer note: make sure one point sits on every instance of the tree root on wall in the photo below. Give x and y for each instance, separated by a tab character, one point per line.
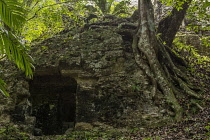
159	65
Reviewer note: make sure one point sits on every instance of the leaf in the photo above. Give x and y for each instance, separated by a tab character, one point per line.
12	14
2	88
207	4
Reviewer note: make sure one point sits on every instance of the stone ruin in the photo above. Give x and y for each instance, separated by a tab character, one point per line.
90	77
82	80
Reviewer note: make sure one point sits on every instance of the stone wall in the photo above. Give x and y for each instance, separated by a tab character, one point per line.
108	79
16	108
99	64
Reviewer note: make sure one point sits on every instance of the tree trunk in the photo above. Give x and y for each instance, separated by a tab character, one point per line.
169	26
155	60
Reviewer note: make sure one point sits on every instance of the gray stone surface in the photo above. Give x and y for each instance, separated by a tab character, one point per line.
110	86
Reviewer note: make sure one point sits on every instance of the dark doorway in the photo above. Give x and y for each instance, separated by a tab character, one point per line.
53	100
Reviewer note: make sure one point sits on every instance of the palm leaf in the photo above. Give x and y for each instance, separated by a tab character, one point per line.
2	88
16	51
12	18
12	14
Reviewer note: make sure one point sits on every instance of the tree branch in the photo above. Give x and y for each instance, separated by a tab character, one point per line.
169	26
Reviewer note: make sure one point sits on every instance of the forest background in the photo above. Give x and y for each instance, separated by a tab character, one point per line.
27	22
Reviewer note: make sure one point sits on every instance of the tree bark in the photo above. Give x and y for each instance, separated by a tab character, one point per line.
159	66
169	26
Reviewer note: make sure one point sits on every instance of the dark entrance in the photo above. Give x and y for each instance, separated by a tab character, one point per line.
53	100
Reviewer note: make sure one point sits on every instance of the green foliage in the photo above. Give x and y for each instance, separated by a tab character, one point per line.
12	14
136	88
9	132
105	7
94	135
208	130
153	138
11	46
199	65
78	14
47	18
122	8
191	53
175	3
12	18
205	41
168	2
2	88
44	20
198	13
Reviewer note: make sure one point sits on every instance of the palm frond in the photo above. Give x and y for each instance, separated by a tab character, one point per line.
16	51
12	18
12	14
2	88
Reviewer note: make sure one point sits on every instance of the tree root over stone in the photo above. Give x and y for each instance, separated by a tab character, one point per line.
159	67
164	69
